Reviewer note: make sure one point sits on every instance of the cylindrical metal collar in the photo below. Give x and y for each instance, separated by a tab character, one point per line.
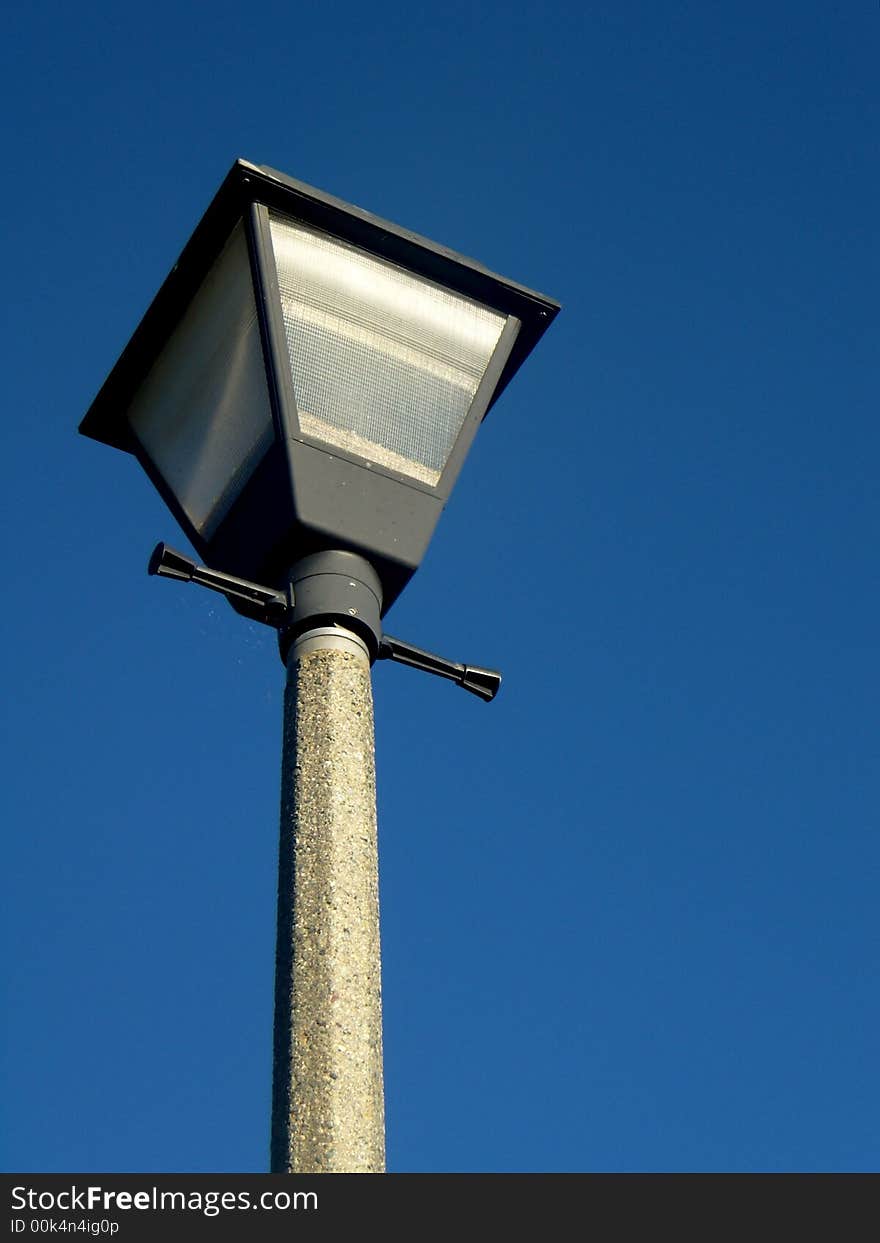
334	589
329	638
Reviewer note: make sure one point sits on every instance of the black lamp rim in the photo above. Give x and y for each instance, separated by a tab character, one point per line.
248	183
329	207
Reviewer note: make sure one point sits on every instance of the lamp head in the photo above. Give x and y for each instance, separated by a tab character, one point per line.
310	377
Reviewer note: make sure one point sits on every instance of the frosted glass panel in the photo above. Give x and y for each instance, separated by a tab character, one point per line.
384	363
203	413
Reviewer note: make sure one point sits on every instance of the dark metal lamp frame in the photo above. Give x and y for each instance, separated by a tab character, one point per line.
306	496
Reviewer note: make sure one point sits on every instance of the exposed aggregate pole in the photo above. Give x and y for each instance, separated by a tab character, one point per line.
327	1099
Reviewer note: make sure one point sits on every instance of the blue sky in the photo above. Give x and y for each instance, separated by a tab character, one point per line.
629	910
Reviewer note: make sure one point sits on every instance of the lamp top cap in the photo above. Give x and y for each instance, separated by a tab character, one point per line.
375	232
246	184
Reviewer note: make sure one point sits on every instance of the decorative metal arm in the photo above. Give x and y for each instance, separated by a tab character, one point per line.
481	682
265	605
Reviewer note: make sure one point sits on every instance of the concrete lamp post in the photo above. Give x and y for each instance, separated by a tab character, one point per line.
303	391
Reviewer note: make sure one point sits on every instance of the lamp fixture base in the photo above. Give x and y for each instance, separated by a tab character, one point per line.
327	590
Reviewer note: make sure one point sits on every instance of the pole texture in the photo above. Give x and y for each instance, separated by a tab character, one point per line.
327	1096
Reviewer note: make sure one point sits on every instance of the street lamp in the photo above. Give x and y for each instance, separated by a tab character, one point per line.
303	391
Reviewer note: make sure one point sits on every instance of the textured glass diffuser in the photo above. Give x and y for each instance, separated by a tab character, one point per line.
202	413
385	364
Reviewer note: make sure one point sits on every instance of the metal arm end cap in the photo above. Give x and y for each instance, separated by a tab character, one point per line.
483	682
170	564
